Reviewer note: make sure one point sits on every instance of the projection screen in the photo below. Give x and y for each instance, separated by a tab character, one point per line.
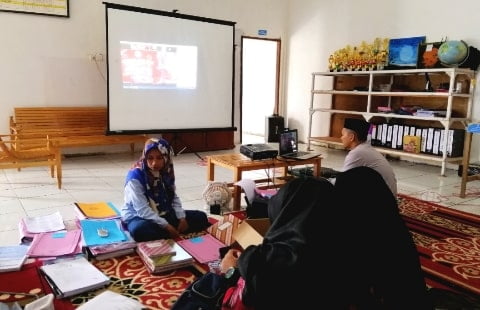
168	72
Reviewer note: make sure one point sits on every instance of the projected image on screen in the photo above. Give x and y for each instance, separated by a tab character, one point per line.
158	66
168	72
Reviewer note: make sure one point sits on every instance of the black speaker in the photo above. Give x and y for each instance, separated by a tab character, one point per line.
274	125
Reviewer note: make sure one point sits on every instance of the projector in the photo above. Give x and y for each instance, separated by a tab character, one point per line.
258	151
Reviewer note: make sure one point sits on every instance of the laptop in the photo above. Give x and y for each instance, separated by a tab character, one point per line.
288	146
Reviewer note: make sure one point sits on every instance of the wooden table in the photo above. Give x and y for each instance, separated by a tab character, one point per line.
239	163
471	129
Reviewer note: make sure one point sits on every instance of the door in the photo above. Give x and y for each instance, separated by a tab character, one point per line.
260	76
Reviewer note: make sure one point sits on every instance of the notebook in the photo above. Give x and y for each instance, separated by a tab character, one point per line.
288	146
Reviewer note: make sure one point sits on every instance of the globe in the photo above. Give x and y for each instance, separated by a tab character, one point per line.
453	52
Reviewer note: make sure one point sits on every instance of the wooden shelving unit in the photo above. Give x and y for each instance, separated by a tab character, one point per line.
358	93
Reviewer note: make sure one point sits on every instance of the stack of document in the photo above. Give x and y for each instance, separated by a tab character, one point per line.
70	277
101	232
114	242
110	250
158	251
111	300
30	226
157	262
12	257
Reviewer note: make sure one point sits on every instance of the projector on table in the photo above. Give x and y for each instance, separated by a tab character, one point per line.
258	151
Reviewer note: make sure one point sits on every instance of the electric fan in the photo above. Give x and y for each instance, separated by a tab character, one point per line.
217	194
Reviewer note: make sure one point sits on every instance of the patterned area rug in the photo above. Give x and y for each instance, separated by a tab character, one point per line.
129	277
448	242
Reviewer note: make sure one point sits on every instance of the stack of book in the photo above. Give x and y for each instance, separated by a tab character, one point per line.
115	241
103	216
163	255
110	250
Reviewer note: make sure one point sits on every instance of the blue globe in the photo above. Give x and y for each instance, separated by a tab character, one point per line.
453	52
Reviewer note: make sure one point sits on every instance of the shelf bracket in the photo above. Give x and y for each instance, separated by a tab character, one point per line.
446	124
367	117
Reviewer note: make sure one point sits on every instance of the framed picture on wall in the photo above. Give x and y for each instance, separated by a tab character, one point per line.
403	52
42	7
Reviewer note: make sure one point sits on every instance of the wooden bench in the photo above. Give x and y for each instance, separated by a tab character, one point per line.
68	126
16	152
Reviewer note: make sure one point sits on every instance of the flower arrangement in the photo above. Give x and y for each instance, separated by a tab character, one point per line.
365	57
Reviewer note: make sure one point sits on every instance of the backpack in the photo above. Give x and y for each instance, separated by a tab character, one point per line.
205	293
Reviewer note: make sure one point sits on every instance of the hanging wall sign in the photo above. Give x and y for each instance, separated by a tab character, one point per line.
43	7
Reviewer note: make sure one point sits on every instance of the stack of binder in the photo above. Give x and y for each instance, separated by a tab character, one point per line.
432	140
111	250
103	216
163	255
116	241
71	277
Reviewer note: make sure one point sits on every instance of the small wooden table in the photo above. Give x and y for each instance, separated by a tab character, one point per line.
239	163
471	129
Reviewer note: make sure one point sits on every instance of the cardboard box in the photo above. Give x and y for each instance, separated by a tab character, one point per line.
251	231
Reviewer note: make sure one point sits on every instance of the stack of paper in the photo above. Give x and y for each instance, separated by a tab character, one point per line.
166	261
158	251
70	277
30	226
111	300
105	251
12	257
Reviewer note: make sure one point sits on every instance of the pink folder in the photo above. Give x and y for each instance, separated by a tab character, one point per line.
203	248
56	243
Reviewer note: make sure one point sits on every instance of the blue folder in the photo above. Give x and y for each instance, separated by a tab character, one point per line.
90	232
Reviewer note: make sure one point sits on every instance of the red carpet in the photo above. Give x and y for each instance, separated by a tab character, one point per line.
129	277
448	242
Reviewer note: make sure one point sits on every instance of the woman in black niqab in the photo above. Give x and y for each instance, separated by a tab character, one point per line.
278	273
380	262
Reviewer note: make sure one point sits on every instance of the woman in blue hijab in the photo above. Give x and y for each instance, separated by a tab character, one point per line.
152	209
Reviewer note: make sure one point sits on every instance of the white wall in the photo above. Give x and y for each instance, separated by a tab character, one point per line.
44	59
318	28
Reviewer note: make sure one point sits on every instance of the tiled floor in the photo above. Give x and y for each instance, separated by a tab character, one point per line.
31	192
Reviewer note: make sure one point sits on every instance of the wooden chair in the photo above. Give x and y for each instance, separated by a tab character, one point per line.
13	156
